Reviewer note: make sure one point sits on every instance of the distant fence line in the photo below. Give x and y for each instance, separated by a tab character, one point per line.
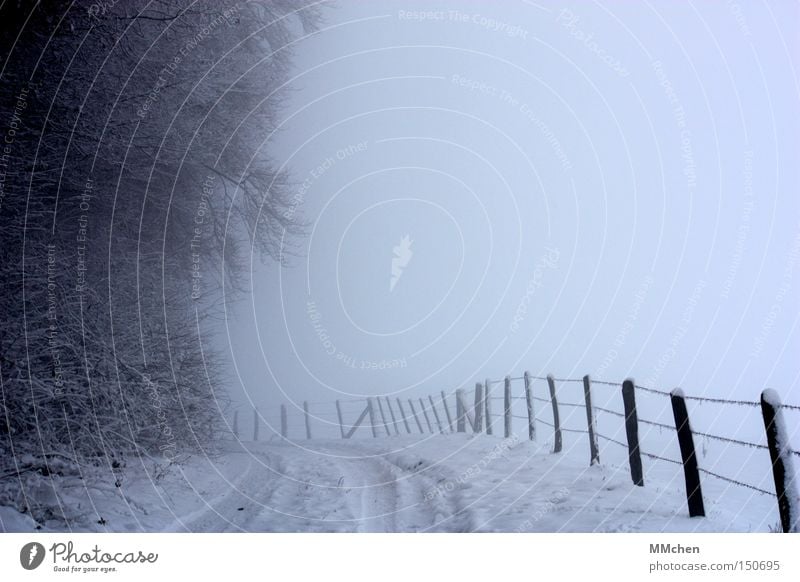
435	414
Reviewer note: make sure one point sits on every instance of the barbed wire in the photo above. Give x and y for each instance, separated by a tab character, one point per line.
604	383
658	424
609	411
652	390
572	404
615	441
724	401
694	432
548	400
735	482
710	436
575	430
706	471
563	429
749	403
729	440
660	458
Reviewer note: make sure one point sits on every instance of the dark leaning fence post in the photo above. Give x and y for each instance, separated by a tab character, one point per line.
782	469
447	412
236	424
383	416
594	450
339	414
284	426
529	403
308	420
394	418
694	493
425	414
372	423
255	424
507	407
478	408
557	443
632	432
461	412
487	399
414	412
436	414
403	414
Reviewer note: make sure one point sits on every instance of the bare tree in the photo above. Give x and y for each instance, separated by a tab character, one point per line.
134	182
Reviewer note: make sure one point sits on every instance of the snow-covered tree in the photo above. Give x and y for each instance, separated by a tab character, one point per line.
133	179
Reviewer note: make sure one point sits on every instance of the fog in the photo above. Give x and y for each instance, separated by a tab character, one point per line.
588	188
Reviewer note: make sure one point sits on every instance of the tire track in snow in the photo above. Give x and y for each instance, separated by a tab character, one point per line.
399	492
279	487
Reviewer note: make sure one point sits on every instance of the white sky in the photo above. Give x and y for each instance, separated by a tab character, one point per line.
653	202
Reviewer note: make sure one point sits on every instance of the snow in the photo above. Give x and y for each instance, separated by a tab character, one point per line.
13	520
452	483
772	397
784	446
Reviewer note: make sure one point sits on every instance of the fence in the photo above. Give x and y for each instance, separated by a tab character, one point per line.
456	413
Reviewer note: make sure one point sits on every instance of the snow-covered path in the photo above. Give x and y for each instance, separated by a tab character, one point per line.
453	483
333	487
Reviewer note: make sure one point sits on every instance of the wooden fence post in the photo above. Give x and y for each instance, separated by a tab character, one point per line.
529	403
436	414
255	424
414	412
487	399
694	493
461	413
782	466
594	450
308	420
557	442
447	412
339	414
372	424
403	414
394	418
507	407
425	414
284	425
236	424
478	408
383	416
632	432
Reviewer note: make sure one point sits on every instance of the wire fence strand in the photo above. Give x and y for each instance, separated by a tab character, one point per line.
724	401
735	482
660	458
658	424
609	411
609	439
652	390
352	402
